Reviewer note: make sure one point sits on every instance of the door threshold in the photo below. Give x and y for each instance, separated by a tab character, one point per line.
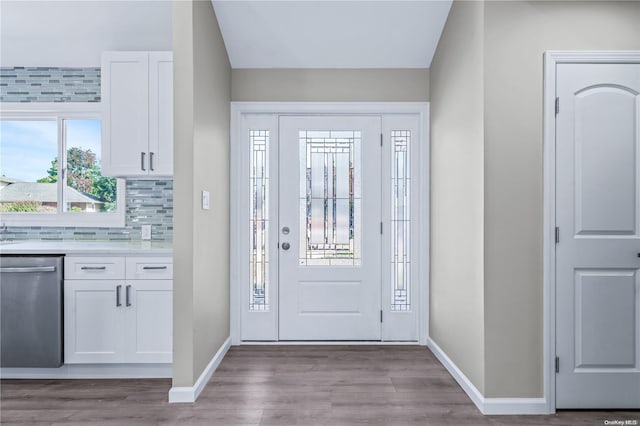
330	342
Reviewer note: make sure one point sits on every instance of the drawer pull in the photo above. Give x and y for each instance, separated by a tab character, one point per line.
154	267
93	268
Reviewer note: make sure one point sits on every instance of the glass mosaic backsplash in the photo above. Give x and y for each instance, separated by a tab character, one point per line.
43	84
147	202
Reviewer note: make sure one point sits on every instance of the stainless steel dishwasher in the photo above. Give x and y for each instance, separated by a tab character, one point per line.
31	311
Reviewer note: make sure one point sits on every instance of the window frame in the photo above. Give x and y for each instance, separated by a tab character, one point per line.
59	112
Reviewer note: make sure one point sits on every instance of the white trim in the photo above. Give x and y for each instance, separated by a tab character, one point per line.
59	111
551	60
424	227
238	109
330	343
191	393
91	371
488	406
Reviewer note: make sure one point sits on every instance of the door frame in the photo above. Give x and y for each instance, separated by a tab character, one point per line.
238	231
551	60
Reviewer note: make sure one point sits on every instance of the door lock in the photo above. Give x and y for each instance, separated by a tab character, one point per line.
285	246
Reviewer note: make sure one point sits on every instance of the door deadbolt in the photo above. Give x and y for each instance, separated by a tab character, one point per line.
285	246
285	230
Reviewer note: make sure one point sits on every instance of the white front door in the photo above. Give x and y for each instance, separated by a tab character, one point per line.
330	218
598	253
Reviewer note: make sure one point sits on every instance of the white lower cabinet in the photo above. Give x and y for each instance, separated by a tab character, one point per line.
93	323
148	321
117	319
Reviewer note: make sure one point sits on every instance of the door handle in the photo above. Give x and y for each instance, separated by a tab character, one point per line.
118	288
286	246
142	154
128	295
29	269
151	161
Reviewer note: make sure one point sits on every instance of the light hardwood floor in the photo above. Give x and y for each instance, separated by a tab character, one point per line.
280	385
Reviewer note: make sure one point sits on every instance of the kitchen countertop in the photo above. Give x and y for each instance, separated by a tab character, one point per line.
87	247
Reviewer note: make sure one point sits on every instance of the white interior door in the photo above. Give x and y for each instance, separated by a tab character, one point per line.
329	228
598	254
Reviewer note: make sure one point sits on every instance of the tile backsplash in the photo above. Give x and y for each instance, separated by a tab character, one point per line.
147	201
43	84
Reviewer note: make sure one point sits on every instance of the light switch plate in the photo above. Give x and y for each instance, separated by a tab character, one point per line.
146	232
205	200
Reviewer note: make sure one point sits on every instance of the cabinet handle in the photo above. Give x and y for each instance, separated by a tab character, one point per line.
151	161
154	267
128	296
93	268
118	288
142	154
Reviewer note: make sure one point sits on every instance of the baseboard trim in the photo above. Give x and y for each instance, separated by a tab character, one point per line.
90	371
186	394
488	406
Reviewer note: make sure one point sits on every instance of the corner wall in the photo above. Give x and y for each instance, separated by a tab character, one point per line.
202	93
486	91
517	34
457	169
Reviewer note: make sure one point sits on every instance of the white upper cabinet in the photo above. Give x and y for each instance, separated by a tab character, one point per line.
137	124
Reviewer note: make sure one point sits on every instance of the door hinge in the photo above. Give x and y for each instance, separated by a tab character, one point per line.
380	315
557	235
557	106
557	364
381	227
380	139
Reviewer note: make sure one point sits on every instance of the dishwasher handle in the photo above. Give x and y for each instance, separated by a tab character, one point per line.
28	269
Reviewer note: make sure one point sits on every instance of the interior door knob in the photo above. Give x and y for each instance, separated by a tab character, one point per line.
285	246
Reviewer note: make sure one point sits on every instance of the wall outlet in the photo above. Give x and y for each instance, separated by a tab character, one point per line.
205	200
146	232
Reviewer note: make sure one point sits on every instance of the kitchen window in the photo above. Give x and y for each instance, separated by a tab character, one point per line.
50	168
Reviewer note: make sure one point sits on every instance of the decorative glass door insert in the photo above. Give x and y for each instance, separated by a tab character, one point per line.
259	219
330	197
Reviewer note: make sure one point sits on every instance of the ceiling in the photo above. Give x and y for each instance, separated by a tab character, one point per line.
257	34
331	33
68	33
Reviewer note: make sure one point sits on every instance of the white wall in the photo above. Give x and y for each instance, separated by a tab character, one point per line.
67	33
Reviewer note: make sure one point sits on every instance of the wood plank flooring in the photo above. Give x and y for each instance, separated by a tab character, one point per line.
280	385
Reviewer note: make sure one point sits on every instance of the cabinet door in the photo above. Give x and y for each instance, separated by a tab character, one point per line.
161	113
93	321
125	125
148	321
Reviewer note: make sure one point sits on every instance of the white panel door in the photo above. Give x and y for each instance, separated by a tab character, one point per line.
329	228
93	321
598	254
148	321
125	124
161	113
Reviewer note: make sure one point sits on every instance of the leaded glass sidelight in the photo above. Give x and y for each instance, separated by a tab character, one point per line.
400	220
330	199
259	219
